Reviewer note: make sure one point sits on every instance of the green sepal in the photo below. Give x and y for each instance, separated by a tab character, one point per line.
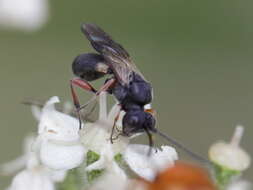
93	175
91	157
224	175
73	181
119	159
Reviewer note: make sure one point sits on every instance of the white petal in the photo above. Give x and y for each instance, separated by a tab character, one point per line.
94	137
37	143
110	181
116	170
164	156
28	180
240	185
106	158
120	144
36	112
13	166
114	177
28	143
20	162
58	175
67	107
61	157
107	162
230	156
146	166
50	103
98	165
32	160
56	125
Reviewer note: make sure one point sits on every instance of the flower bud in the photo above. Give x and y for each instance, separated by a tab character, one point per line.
230	155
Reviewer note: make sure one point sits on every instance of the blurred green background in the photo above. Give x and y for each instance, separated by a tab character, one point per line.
197	54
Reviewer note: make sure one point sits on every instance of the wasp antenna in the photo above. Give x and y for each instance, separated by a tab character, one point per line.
182	147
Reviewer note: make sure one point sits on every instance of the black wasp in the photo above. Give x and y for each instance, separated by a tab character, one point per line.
126	83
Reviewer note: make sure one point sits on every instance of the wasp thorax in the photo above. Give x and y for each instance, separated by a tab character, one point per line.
90	66
140	92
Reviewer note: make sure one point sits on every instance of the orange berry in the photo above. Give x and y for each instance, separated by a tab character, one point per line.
182	176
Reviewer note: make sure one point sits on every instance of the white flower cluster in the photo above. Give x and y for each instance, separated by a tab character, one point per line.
60	146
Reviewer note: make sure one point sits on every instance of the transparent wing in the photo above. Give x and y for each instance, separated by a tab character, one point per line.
116	56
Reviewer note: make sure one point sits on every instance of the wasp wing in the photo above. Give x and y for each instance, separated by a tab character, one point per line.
116	56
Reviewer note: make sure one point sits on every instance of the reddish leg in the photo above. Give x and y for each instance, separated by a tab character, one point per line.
84	85
149	134
151	141
114	124
111	82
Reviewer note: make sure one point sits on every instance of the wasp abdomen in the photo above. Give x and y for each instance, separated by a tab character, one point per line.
90	66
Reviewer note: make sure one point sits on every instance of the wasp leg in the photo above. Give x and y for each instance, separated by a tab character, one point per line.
114	125
111	82
115	138
151	141
117	129
84	85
